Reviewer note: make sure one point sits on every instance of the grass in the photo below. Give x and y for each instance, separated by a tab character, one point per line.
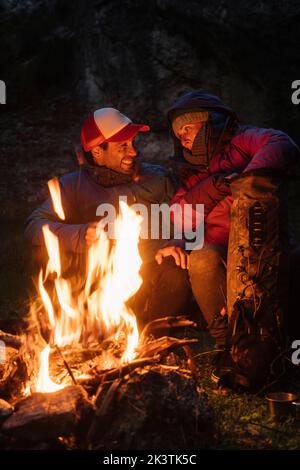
242	419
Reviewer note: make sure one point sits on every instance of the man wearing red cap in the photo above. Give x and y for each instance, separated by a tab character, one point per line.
108	171
109	137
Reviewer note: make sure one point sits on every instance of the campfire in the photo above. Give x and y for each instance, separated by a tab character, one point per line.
82	362
77	318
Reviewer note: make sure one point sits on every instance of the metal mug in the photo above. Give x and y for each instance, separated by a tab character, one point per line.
280	404
296	410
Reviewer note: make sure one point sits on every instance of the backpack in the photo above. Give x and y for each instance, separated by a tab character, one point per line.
257	277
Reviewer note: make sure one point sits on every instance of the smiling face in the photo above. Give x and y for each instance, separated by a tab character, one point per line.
187	134
118	156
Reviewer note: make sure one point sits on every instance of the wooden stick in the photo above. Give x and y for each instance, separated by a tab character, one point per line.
11	340
66	364
112	374
108	396
166	322
163	344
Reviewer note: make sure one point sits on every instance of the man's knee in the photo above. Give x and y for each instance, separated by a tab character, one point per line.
209	258
171	275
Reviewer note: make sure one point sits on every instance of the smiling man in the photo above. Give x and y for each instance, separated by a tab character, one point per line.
110	168
109	136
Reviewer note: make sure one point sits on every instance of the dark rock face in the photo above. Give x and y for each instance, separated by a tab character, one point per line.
139	55
61	59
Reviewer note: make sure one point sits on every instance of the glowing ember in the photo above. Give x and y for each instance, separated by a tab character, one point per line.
99	309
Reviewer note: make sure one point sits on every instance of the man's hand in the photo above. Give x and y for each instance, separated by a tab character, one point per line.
180	256
91	233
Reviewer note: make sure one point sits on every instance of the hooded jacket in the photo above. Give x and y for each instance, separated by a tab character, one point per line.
231	149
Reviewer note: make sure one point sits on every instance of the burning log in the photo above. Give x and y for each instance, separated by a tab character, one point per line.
166	323
149	354
162	345
8	366
152	408
119	372
13	373
45	416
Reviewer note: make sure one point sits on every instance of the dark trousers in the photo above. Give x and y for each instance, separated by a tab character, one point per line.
165	292
207	275
169	290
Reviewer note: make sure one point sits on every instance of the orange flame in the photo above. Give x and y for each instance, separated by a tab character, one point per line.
100	306
53	186
44	383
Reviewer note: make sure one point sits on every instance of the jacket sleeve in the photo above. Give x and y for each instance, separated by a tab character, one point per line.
71	236
208	193
267	148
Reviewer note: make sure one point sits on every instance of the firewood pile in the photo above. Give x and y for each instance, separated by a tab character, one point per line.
152	402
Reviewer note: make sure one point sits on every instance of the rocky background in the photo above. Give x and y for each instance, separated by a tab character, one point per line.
60	59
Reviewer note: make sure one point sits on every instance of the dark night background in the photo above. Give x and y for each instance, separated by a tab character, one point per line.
62	59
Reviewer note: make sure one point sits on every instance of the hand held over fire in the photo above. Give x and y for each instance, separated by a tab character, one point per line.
181	257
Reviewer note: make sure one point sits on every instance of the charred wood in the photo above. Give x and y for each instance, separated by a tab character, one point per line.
113	374
13	374
45	416
164	344
152	408
165	323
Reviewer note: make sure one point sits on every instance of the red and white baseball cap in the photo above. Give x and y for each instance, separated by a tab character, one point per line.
108	125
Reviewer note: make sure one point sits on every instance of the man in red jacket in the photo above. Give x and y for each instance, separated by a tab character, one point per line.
211	147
